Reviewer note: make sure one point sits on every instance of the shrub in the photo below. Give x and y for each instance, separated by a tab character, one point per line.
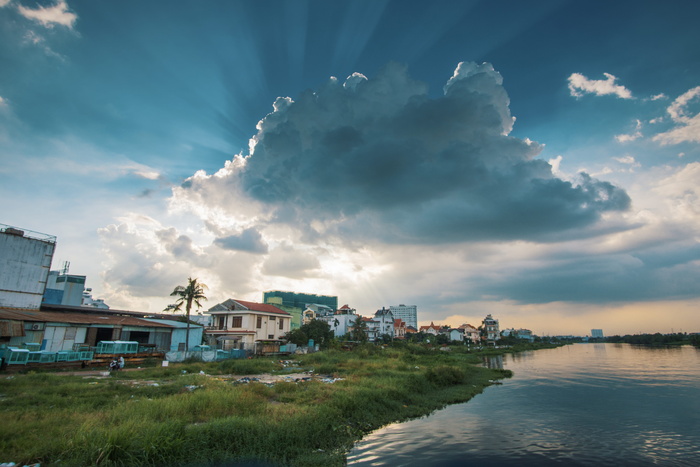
445	375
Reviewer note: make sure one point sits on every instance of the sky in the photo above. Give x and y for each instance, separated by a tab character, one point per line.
538	161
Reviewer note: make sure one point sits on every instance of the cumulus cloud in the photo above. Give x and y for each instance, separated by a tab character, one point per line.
4	3
51	15
249	240
377	159
687	121
579	85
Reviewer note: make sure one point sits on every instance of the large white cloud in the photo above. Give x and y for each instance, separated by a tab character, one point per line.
379	160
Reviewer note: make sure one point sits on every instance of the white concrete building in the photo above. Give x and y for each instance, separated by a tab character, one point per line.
386	322
407	313
239	324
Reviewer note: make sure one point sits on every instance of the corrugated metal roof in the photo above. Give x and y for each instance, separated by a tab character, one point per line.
76	318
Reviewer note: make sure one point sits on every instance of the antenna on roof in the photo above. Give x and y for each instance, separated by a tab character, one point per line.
66	267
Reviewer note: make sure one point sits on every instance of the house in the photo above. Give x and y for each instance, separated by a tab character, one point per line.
470	333
453	334
341	322
239	324
399	329
432	329
491	329
372	328
386	322
307	316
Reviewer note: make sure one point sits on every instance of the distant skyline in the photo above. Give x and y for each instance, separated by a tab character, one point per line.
539	161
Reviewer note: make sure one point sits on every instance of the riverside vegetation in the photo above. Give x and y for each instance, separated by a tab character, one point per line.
190	414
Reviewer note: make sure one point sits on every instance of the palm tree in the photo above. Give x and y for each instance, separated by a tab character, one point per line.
187	295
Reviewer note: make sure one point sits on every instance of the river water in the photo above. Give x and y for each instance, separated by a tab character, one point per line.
580	405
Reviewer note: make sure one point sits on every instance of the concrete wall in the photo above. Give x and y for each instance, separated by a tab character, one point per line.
24	268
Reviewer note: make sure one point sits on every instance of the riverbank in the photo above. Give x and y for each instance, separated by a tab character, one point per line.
313	412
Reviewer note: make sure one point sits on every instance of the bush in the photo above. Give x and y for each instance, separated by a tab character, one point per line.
445	375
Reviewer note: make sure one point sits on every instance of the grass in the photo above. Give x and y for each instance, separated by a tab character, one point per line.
177	416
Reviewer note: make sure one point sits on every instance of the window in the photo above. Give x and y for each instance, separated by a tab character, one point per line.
270	336
281	324
259	322
237	322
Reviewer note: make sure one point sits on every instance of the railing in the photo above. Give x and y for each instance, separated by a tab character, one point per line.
10	230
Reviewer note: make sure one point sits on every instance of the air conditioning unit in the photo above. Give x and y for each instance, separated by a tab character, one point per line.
38	327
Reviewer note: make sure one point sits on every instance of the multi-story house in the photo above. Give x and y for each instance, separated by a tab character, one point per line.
386	322
341	322
470	333
372	328
491	329
399	329
432	329
238	324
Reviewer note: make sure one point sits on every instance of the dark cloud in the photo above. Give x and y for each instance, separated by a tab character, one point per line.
658	273
380	159
248	240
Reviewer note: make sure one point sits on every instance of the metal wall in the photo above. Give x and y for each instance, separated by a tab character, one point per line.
24	268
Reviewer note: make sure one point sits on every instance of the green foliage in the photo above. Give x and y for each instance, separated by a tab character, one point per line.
358	333
317	330
164	416
445	375
678	338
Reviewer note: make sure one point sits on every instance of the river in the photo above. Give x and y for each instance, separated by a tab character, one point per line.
577	405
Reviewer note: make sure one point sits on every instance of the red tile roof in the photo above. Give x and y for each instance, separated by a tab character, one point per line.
262	307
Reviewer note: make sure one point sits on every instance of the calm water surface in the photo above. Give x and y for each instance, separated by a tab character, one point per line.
582	404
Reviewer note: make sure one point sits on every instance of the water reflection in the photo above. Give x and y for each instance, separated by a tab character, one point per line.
587	404
494	362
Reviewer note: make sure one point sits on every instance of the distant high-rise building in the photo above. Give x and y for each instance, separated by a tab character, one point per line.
597	333
407	313
301	300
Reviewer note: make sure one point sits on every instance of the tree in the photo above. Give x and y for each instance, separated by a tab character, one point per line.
315	329
359	330
193	292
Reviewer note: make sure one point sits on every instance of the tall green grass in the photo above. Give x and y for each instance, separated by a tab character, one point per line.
176	416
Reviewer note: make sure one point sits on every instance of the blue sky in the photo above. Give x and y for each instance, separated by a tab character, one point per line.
534	160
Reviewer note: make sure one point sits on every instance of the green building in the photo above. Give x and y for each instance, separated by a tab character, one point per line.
295	303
